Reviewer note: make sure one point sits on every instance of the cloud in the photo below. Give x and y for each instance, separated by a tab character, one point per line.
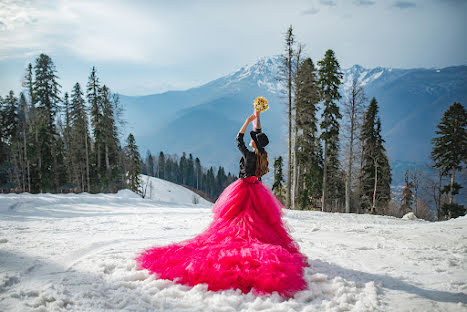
404	5
311	11
328	2
364	2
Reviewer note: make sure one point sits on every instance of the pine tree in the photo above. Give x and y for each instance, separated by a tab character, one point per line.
376	173
23	133
9	128
150	168
277	186
32	146
134	169
308	150
161	166
28	84
46	92
407	194
198	173
190	171
80	137
110	140
330	78
68	144
93	96
450	147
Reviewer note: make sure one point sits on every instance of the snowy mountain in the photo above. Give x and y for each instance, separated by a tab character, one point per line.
205	120
75	252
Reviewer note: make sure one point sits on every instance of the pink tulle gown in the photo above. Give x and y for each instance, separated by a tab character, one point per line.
246	246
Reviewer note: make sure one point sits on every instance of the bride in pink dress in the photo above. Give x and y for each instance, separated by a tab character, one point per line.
246	246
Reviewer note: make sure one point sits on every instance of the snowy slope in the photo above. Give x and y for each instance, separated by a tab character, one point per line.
165	191
75	252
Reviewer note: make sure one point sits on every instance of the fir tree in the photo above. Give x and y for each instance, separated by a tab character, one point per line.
46	92
161	166
68	144
150	168
93	96
407	194
376	173
198	173
10	141
308	150
109	137
190	171
330	78
80	149
134	167
277	186
23	133
450	147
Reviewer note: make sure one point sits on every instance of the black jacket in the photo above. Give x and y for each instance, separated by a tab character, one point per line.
247	164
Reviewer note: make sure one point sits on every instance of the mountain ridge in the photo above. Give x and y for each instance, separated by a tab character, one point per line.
411	102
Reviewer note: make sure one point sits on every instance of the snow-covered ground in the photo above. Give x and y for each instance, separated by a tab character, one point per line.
74	252
162	190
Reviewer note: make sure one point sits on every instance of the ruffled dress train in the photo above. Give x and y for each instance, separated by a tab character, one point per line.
246	246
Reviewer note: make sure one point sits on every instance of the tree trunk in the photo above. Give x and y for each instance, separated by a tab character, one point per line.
295	167
87	163
325	177
348	181
439	195
373	207
289	169
451	196
107	166
39	160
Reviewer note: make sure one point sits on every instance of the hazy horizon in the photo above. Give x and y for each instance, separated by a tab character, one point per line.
149	47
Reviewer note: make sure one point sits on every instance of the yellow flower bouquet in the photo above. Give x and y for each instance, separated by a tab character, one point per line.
261	104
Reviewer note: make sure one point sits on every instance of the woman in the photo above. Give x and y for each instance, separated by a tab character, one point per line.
246	246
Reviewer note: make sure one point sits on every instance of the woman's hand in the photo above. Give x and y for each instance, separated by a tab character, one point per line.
247	121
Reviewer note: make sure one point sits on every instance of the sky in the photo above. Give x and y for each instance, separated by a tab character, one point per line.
147	47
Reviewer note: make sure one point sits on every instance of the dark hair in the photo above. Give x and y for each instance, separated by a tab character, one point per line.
262	163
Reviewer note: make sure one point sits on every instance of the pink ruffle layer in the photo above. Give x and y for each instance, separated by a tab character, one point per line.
246	246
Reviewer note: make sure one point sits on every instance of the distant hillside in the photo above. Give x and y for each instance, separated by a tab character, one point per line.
166	191
205	120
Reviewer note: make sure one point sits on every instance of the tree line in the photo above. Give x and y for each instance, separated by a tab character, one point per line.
51	142
317	175
187	171
340	163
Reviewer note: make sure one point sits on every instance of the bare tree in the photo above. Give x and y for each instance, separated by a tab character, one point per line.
295	190
353	111
423	211
393	208
287	78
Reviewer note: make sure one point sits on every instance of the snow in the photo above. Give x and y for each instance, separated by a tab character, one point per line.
162	190
75	252
264	72
409	216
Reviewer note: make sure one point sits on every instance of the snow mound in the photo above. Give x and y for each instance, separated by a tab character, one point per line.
166	191
126	193
410	216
